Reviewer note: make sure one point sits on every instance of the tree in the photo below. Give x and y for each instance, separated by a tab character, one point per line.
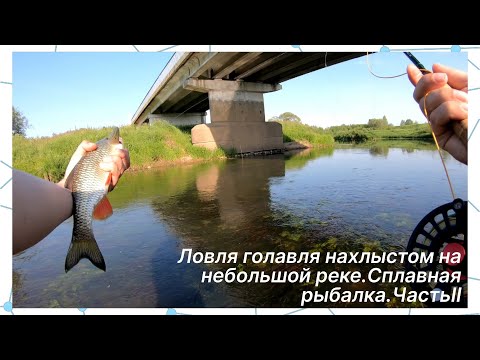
402	123
19	122
288	116
378	123
408	122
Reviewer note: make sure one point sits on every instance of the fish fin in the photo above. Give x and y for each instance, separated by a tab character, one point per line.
84	249
103	210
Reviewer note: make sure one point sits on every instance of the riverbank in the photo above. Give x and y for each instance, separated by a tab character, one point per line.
158	145
362	133
163	144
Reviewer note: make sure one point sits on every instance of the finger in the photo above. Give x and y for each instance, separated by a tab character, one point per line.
437	97
81	150
121	153
116	164
84	147
87	146
124	164
107	166
124	155
414	74
447	111
428	83
121	157
110	165
456	78
115	178
126	159
115	172
456	148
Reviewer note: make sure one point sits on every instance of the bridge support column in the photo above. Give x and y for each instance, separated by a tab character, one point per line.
237	116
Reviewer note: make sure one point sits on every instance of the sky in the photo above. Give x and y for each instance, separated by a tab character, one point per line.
58	92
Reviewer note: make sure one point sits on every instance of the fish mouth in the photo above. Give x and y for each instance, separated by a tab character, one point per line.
115	135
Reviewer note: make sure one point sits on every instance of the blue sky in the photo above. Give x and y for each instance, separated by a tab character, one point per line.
64	91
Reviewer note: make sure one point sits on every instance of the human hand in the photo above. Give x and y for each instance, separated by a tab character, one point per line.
443	94
117	163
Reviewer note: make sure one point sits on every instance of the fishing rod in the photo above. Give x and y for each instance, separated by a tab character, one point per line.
415	61
443	232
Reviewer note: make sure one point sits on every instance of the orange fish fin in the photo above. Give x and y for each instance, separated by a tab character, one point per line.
103	210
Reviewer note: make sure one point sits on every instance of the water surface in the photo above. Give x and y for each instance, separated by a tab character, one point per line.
344	199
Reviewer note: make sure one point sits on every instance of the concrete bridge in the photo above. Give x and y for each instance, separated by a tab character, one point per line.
231	85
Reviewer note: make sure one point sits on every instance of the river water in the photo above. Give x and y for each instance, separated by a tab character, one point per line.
342	199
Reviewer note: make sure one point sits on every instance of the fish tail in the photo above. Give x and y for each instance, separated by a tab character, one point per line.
84	248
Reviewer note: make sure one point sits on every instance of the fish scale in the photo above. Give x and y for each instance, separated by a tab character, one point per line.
89	185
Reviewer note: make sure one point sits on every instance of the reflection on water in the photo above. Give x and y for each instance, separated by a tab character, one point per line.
347	199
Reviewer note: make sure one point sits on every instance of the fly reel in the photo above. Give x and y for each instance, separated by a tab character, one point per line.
443	231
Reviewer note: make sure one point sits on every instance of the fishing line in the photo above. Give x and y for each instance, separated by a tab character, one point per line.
424	71
183	112
438	147
442	232
379	76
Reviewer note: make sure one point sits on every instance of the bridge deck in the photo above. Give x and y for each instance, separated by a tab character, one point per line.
266	67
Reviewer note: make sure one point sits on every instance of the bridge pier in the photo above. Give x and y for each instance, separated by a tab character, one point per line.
237	116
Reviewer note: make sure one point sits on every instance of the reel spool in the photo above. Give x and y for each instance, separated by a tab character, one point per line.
442	231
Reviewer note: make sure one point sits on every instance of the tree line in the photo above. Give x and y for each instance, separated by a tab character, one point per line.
375	128
19	122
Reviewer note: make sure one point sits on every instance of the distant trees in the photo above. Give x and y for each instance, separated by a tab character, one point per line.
408	122
286	116
356	133
19	123
378	123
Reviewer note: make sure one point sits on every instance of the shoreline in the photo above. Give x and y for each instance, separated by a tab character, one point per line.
186	160
288	148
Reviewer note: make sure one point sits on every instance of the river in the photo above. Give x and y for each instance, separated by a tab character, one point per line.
365	198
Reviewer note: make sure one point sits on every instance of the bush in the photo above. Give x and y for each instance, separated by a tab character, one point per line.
315	136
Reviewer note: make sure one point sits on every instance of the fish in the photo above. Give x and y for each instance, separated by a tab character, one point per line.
89	185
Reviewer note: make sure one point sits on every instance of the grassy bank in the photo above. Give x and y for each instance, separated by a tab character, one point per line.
163	144
159	144
362	133
298	132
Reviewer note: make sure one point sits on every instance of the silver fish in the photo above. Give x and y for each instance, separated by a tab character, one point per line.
89	185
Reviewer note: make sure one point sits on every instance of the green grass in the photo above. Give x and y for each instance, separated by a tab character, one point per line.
163	143
362	133
416	131
315	136
48	157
